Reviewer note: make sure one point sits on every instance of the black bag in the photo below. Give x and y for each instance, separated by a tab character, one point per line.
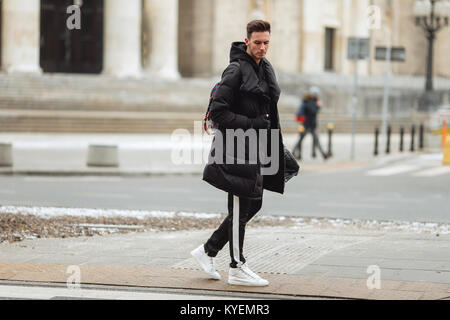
291	166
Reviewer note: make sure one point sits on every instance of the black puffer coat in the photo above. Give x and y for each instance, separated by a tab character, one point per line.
242	95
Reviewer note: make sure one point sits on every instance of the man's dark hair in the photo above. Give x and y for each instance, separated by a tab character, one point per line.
257	26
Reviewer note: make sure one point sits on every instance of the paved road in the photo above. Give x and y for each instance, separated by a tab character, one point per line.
414	190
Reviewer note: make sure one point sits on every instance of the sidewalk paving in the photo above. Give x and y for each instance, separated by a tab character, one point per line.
305	261
151	154
301	261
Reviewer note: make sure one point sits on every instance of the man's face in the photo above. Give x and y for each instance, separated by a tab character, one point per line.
258	44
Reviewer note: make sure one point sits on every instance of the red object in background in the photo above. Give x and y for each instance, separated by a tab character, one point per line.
300	119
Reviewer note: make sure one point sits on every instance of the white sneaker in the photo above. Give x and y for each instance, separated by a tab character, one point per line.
243	276
206	262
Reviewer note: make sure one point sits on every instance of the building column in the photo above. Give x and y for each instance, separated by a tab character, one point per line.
285	30
122	38
20	36
162	29
230	24
312	44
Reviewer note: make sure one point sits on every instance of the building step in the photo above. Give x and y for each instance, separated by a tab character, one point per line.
97	103
159	122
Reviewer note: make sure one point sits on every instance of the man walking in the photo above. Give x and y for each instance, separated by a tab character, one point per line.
307	112
245	99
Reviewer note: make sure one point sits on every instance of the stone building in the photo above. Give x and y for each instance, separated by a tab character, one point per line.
191	38
94	73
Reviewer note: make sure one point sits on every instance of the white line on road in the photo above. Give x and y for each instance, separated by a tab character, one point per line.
432	156
389	171
433	172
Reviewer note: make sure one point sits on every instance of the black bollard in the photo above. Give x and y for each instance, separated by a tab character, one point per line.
421	130
413	133
375	153
388	140
402	133
330	136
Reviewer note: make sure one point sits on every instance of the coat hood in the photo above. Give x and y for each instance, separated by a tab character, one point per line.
239	52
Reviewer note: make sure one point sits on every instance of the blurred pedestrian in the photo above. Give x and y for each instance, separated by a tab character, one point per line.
307	116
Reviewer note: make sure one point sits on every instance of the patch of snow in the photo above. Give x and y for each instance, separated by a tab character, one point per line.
300	222
199	215
50	212
419	227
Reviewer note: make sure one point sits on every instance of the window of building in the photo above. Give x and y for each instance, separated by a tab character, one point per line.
329	48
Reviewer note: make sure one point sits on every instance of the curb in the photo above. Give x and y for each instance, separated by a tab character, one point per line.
187	292
94	173
309	166
185	279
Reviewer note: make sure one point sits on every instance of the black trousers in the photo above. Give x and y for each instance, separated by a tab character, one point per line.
316	143
232	229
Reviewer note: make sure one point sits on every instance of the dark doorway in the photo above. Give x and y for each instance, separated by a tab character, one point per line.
1	23
71	51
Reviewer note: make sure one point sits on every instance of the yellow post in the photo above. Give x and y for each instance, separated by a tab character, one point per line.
446	151
444	132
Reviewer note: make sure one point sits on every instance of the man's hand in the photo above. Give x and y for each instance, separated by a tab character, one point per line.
261	122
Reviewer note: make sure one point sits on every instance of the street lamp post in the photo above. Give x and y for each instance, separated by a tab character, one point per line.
431	16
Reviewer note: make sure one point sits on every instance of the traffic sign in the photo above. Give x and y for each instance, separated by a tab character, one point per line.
358	48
